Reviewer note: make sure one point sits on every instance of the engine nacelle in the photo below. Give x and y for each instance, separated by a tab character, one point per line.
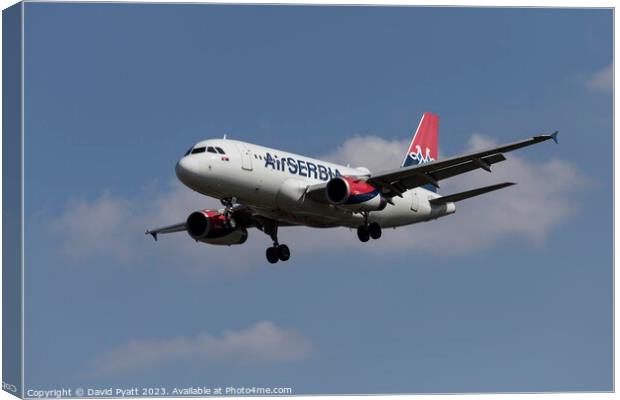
214	227
354	194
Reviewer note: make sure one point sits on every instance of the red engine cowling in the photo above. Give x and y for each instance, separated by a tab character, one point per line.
215	228
355	194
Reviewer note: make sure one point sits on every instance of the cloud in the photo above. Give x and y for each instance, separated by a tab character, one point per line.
112	226
258	344
542	200
602	80
375	153
90	228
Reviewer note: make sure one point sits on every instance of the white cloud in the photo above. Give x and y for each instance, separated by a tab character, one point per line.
112	227
542	200
602	80
90	228
375	153
261	343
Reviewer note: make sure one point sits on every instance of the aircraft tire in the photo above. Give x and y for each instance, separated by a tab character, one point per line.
272	254
374	230
283	252
362	233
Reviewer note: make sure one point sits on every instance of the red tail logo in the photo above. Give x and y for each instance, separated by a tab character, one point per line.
424	145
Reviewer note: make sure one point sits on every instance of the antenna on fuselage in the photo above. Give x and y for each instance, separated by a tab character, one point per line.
224	137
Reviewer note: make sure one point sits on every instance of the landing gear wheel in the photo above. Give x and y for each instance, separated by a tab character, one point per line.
272	254
374	230
277	251
283	252
362	233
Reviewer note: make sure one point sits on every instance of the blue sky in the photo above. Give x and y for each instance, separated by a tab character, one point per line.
512	293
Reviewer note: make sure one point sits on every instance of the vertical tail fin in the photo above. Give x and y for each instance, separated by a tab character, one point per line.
424	146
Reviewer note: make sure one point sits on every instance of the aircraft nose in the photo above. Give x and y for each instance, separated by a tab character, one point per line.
187	170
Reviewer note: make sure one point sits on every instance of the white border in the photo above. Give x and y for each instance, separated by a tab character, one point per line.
471	3
23	225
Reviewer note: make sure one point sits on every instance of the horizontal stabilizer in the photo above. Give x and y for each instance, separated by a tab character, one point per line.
470	193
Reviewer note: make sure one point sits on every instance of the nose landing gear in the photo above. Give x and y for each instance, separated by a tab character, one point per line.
229	204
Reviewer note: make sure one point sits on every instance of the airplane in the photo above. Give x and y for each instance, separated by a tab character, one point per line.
265	188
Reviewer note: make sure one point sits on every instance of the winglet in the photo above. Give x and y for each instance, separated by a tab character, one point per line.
554	136
154	234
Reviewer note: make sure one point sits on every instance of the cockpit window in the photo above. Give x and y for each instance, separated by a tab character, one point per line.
210	149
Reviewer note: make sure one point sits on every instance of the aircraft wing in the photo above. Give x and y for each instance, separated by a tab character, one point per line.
180	227
395	182
243	215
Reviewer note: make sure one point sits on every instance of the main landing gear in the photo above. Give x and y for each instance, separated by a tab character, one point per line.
367	231
278	251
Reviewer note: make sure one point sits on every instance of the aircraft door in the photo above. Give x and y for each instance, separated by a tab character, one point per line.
246	156
414	200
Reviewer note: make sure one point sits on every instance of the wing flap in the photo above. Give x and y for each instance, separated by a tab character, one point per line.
468	194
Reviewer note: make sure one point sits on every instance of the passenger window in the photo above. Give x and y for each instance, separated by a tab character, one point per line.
219	150
198	150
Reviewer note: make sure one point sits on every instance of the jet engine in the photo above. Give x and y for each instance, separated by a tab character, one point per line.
213	227
354	194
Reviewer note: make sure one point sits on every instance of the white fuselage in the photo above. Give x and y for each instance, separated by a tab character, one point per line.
274	183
